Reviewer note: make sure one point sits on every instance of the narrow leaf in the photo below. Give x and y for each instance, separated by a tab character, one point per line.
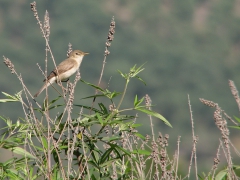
121	74
221	175
155	114
141	80
99	119
141	151
96	87
22	152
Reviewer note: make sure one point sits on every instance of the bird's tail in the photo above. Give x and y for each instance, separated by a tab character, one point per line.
41	90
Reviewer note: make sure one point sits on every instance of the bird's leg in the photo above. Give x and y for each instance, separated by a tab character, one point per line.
64	89
65	80
60	84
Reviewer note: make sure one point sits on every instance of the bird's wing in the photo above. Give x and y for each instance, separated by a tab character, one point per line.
62	67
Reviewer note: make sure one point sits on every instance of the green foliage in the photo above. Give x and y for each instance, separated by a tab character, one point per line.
81	136
187	53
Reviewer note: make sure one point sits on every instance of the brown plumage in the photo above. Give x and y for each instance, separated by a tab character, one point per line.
64	70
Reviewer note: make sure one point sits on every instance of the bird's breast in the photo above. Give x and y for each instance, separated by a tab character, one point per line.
68	73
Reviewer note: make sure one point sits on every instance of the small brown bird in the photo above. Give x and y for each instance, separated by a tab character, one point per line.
64	70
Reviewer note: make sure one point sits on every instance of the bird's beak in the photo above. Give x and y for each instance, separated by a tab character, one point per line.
86	53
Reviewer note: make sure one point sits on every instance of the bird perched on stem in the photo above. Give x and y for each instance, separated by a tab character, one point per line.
64	70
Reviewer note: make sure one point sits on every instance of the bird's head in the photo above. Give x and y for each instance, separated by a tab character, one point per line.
77	54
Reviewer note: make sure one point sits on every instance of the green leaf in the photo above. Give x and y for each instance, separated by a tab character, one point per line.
141	80
106	155
235	127
22	152
5	119
8	95
94	96
7	100
137	102
222	174
238	119
153	113
141	151
99	119
139	135
96	87
103	108
44	142
113	94
55	106
236	166
136	125
112	138
11	98
134	71
124	76
107	163
88	107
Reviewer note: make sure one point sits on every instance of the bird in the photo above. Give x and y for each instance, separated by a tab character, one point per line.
64	70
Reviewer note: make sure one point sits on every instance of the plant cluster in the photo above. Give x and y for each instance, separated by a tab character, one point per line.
102	142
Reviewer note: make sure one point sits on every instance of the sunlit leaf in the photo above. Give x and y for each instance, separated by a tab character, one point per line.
222	174
141	151
155	114
96	87
22	152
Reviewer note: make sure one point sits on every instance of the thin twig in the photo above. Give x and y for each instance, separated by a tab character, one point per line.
106	53
195	139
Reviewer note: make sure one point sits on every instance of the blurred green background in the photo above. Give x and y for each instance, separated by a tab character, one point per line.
190	46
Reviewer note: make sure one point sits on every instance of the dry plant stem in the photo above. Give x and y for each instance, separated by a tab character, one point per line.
221	124
60	162
106	53
45	35
231	174
86	159
39	161
230	119
215	164
234	93
25	89
46	32
148	103
26	159
177	156
69	119
75	133
69	104
10	65
123	95
235	149
194	143
44	74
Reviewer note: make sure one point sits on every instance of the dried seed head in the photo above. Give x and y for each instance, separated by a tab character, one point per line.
216	162
208	103
147	138
106	129
78	76
33	8
69	49
110	36
108	44
9	64
46	26
107	52
148	101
